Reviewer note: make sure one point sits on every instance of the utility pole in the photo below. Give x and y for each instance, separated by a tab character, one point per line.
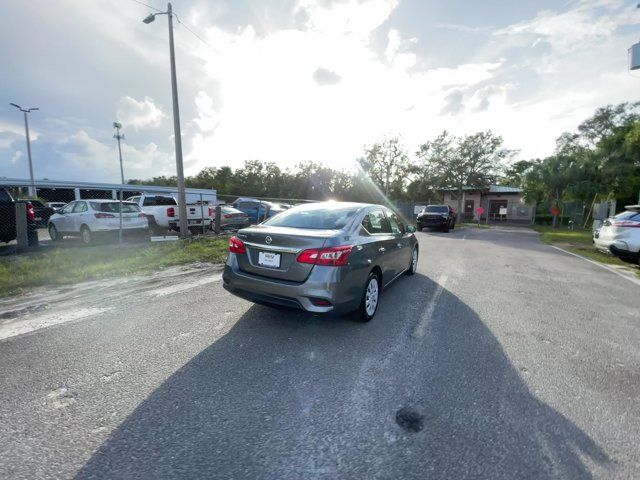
182	201
32	186
119	137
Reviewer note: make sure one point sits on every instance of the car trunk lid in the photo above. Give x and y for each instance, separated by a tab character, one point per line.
272	251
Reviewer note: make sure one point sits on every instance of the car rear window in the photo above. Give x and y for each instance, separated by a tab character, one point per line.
112	207
437	209
332	218
159	201
628	215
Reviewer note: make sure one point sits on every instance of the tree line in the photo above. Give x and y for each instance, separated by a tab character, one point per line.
600	160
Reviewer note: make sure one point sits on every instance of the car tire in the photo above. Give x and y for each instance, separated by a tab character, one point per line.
53	233
413	265
370	298
445	229
85	235
420	227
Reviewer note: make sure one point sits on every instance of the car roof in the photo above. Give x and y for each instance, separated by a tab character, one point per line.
100	200
633	208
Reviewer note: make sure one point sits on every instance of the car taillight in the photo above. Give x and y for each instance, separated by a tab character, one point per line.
210	212
171	212
236	245
333	257
227	215
104	215
31	214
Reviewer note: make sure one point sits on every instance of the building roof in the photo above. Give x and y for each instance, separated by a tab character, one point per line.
504	189
491	189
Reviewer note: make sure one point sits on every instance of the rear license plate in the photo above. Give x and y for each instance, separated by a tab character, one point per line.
192	222
269	259
38	219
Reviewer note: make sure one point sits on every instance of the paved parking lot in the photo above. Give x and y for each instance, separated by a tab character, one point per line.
501	358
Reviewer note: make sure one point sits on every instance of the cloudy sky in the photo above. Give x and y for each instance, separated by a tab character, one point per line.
293	80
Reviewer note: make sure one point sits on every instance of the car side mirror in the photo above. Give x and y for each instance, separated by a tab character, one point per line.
411	229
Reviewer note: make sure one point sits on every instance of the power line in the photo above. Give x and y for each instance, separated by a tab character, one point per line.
148	6
194	33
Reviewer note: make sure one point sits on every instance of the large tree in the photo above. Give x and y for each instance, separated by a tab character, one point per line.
457	162
387	163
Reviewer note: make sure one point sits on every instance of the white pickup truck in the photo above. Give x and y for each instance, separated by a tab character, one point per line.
163	214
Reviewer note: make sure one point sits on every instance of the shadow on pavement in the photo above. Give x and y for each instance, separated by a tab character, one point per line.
285	395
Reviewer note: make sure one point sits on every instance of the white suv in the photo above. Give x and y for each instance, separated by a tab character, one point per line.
620	235
87	218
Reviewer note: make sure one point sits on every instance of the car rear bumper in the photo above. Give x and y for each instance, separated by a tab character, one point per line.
323	283
432	223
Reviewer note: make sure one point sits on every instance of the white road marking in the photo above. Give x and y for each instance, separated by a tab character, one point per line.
421	326
25	325
181	287
606	267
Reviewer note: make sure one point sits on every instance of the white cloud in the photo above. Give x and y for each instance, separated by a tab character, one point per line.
139	114
16	157
271	108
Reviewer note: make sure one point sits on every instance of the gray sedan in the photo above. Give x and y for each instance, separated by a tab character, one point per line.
329	257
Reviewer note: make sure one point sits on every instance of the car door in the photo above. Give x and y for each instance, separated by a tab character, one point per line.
63	222
402	244
78	217
381	242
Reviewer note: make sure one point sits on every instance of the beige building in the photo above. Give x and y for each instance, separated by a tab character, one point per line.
500	204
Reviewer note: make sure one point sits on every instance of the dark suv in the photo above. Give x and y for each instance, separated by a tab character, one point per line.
437	216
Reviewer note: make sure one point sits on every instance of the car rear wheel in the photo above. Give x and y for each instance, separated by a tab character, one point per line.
370	298
53	233
413	266
85	235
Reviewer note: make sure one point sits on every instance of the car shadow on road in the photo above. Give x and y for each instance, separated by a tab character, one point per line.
286	395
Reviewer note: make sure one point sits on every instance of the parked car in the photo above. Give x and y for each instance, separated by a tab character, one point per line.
56	205
620	235
257	209
42	212
8	219
328	257
163	213
437	216
232	219
91	218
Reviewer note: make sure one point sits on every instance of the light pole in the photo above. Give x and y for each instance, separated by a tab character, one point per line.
32	187
182	203
119	136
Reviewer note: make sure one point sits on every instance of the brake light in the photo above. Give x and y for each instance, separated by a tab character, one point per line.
333	257
171	212
104	215
210	212
31	214
236	245
227	215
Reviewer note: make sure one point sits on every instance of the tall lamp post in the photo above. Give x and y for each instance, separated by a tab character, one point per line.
182	203
119	137
32	186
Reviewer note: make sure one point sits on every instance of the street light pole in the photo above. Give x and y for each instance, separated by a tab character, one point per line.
118	136
32	186
182	203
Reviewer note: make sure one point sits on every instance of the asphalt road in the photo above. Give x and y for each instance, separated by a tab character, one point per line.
501	359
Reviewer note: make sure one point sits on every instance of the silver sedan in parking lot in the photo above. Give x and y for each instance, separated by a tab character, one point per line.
328	257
